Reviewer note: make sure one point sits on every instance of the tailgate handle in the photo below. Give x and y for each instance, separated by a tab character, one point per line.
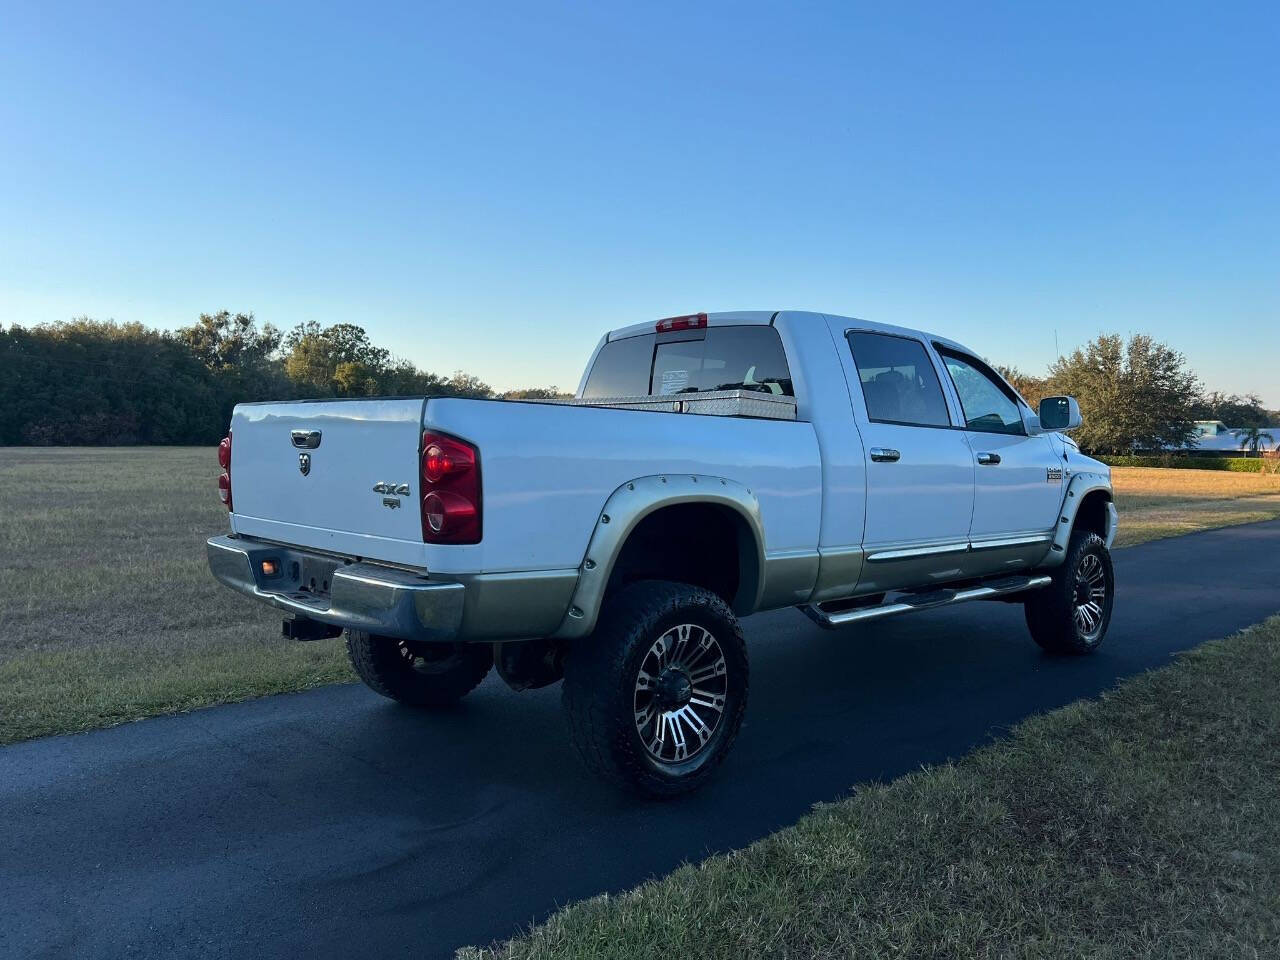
305	439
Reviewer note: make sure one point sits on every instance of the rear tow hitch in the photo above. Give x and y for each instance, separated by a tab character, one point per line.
301	628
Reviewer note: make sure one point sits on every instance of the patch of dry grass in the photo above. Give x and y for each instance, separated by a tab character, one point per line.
107	608
1156	503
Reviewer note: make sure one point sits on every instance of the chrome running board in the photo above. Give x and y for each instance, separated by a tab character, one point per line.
942	597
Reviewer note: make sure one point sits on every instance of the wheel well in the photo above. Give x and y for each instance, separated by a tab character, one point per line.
705	544
1091	515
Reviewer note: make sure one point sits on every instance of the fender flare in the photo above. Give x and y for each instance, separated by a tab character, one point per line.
622	512
1081	485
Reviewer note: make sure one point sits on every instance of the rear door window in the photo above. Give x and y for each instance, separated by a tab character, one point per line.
899	383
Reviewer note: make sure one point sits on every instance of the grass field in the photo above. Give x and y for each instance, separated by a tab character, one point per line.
1144	824
107	609
108	613
1155	503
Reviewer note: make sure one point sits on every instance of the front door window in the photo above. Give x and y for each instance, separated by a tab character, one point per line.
988	407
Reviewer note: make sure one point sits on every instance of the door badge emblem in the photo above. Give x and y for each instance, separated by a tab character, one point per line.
392	492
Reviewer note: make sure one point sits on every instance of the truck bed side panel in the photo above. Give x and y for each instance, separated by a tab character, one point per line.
548	469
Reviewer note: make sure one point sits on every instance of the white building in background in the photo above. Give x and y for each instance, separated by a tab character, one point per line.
1216	435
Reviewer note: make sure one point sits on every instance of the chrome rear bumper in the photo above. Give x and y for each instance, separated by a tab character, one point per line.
357	596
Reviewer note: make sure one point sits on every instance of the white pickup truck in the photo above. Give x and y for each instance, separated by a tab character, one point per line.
711	466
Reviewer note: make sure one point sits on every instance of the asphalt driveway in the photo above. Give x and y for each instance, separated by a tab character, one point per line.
334	823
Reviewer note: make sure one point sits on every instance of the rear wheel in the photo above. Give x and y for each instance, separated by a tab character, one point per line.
1072	614
655	696
417	673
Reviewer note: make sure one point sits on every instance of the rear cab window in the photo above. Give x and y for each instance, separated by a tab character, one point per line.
687	361
622	368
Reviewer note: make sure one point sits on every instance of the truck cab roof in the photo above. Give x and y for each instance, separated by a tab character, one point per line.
764	317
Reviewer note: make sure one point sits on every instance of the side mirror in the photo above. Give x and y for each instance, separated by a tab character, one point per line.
1059	413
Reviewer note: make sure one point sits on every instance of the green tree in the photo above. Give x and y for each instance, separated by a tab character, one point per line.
1032	388
91	382
466	385
339	360
536	393
242	359
1133	396
224	340
1253	438
1233	410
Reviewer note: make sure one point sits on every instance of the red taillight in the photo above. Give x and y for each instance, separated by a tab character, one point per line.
450	490
439	462
690	321
445	511
224	479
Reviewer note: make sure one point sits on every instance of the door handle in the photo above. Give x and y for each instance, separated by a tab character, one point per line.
988	459
884	455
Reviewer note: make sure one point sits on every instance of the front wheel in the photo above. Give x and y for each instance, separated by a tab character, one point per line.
1072	614
655	696
418	673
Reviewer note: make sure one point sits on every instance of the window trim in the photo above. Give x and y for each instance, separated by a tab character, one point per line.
997	380
946	403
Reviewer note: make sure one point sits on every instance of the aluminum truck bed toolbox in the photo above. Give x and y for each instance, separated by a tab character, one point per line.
714	403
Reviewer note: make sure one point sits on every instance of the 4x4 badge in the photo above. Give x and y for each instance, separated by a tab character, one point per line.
304	463
393	491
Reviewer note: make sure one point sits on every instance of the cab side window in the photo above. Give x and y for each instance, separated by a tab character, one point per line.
899	384
988	406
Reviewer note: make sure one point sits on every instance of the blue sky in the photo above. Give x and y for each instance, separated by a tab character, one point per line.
488	187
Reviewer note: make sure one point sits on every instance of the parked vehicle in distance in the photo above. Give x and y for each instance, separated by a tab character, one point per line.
711	466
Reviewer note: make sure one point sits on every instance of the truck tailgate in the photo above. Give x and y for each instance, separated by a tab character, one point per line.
305	473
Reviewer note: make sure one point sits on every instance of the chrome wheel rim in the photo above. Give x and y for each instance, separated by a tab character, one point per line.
1090	597
680	693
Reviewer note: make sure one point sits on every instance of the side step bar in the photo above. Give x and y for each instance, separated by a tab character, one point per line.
926	601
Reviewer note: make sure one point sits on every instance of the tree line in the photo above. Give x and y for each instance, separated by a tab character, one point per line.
92	382
100	382
1137	395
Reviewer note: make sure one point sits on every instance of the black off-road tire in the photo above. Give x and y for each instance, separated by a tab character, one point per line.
415	673
602	673
1052	611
